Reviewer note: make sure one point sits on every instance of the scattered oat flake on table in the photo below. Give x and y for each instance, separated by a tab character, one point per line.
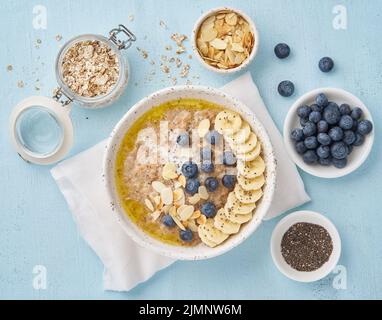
9	68
163	24
58	37
168	48
165	69
144	53
185	71
20	84
131	17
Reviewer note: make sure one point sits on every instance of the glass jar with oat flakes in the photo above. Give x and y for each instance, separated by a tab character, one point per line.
92	72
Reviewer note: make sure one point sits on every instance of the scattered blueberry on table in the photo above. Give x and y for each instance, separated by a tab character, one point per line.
326	64
286	88
282	51
329	132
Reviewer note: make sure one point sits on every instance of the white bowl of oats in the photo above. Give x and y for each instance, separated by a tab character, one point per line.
190	172
225	40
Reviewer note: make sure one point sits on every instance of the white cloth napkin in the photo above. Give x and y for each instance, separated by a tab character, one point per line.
127	264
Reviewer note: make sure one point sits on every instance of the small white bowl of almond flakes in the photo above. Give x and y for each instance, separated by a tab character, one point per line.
225	40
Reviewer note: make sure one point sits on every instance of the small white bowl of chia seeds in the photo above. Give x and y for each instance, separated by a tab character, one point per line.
305	246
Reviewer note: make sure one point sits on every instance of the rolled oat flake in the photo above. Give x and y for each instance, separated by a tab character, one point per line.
306	246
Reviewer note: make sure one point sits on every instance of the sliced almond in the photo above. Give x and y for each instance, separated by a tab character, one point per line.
194	199
169	171
182	180
155	215
192	226
204	127
167	196
185	212
178	194
209	34
237	47
202	219
149	205
196	215
203	193
218	44
178	223
158	186
231	19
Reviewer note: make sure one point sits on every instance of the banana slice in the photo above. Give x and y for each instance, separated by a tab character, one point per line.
203	236
241	136
225	225
251	155
235	206
251	169
247	146
227	122
251	184
211	233
247	197
237	218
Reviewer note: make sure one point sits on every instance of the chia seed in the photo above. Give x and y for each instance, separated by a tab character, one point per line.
306	246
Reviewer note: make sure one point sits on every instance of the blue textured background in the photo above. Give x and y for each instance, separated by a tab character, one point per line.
35	224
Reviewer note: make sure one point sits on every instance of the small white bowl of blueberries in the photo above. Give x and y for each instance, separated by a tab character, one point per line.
328	132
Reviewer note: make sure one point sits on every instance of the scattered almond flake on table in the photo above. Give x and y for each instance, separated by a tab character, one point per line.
131	18
179	39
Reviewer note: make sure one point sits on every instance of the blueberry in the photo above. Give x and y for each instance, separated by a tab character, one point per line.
345	109
304	111
229	159
323	152
365	127
311	142
192	186
310	129
332	114
322	100
324	139
208	209
186	235
168	221
207	166
346	122
213	137
304	121
326	64
310	157
315	116
300	147
350	149
286	88
282	51
211	184
349	137
229	181
190	169
297	135
206	154
322	126
336	133
340	163
354	128
183	140
325	161
339	150
357	113
316	107
359	140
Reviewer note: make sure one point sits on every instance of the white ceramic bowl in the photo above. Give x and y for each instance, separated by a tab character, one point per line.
201	251
308	217
355	159
245	62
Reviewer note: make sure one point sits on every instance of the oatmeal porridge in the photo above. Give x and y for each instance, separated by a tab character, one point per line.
190	171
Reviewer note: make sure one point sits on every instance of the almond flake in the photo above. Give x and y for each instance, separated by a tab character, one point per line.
155	215
149	205
178	194
218	44
178	223
204	127
196	215
203	193
185	212
169	171
231	19
194	199
237	47
192	226
158	186
202	219
167	196
209	35
182	180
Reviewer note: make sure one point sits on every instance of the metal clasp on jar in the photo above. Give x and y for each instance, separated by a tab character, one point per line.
122	44
58	96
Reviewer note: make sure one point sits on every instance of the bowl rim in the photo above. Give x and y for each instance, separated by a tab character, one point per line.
108	178
309	217
247	61
320	171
